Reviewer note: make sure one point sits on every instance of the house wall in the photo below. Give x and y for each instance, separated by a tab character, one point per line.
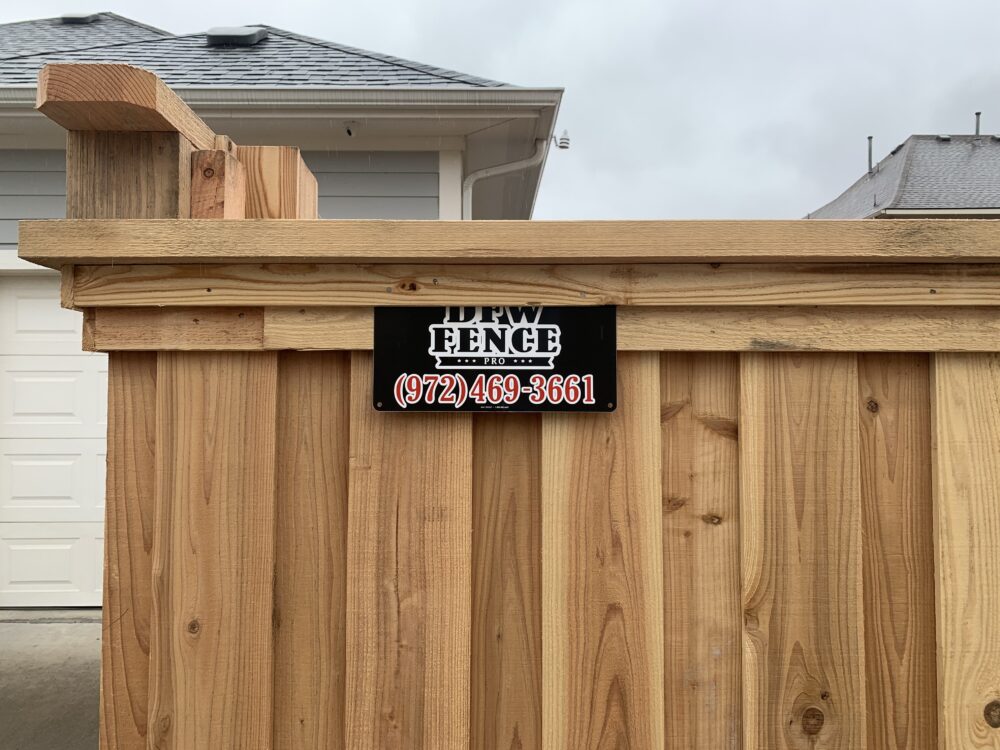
352	185
32	186
376	184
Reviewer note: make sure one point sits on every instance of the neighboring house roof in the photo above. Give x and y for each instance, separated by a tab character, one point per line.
52	35
283	59
928	173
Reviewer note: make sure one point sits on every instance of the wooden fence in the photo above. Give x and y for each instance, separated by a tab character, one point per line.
786	536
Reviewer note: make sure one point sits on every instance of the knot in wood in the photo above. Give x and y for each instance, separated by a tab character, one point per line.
208	173
992	714
812	720
712	519
193	627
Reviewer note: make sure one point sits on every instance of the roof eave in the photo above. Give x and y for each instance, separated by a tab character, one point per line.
251	97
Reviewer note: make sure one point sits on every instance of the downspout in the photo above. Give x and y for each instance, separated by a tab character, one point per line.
515	166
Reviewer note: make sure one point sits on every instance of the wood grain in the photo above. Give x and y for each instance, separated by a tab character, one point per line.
213	551
409	588
308	200
127	175
278	183
113	176
116	98
128	531
310	585
506	585
804	660
602	616
306	328
703	623
57	242
894	405
176	329
966	395
841	329
675	329
218	186
639	329
656	284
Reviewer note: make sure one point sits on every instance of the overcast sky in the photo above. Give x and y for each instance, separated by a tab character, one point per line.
706	109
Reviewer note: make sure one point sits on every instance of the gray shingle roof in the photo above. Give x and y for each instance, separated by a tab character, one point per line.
284	59
925	172
50	34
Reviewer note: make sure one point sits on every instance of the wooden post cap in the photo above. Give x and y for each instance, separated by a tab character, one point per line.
113	97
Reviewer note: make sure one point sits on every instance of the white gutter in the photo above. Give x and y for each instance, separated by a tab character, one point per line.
515	166
324	97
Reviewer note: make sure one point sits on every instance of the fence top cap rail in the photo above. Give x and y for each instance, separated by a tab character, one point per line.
56	243
114	97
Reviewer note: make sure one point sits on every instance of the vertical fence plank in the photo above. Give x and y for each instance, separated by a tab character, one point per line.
127	176
895	420
129	534
310	550
506	586
699	397
218	185
213	551
279	184
801	549
602	574
966	395
409	590
120	176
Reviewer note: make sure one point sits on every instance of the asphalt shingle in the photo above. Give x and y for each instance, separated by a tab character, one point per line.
283	59
925	172
51	35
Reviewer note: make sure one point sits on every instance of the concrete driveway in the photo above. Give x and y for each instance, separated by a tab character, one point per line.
49	679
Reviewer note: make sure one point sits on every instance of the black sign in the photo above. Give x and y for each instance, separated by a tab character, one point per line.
495	359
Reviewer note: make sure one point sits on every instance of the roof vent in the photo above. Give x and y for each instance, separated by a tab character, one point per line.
235	36
79	18
944	137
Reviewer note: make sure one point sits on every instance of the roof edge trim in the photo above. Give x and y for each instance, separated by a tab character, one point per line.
249	98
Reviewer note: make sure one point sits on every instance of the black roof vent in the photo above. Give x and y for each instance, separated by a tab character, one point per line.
79	18
235	36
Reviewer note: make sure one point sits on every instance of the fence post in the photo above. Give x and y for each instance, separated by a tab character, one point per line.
113	173
190	533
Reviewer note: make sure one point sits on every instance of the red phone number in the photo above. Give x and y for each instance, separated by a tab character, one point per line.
452	389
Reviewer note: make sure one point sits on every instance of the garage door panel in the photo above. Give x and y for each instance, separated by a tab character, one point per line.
32	321
47	564
52	480
53	422
43	397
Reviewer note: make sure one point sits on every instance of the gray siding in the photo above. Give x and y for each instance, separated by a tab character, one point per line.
32	186
352	185
376	184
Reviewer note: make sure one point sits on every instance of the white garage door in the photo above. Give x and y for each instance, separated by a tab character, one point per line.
53	418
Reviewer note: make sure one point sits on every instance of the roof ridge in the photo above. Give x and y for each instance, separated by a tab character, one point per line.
133	22
904	173
103	46
451	75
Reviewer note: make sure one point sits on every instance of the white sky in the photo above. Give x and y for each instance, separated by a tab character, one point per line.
708	109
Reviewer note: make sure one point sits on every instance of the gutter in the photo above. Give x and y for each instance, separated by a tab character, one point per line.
515	166
324	97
